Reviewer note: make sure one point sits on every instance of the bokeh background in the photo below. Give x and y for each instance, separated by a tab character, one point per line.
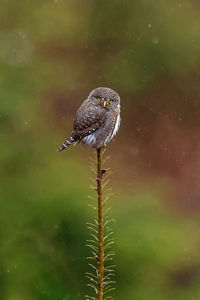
52	53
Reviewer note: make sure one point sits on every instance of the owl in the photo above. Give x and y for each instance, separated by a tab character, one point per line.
97	120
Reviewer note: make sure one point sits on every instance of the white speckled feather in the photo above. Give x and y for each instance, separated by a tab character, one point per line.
89	139
117	125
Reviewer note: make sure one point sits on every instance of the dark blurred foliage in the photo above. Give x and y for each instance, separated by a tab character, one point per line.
52	53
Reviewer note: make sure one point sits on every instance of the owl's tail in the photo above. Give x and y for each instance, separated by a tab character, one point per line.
66	144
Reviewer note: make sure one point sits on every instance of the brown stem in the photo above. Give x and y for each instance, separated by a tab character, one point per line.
100	284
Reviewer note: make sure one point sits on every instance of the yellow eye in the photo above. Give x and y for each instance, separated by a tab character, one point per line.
99	98
110	101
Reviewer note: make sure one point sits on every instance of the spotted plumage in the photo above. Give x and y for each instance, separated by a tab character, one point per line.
97	120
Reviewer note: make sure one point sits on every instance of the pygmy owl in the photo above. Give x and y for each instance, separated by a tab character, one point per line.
97	120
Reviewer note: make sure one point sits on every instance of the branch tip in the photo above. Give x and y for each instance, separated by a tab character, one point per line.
103	171
98	179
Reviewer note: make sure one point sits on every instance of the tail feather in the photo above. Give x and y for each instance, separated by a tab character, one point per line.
66	144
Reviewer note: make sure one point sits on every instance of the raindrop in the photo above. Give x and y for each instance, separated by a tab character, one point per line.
15	47
155	40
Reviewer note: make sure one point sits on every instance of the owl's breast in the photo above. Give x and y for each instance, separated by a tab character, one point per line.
105	133
114	128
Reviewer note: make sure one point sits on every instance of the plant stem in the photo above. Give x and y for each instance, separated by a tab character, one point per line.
100	284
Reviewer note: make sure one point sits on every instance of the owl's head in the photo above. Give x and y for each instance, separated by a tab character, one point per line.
105	97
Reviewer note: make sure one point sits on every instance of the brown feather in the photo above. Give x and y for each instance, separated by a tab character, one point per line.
88	119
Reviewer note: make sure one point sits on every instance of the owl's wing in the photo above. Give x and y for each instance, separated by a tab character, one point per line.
89	118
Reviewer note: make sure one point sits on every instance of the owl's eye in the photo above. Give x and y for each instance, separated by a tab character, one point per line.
99	98
110	101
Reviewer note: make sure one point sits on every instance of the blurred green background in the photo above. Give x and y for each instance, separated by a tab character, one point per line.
52	53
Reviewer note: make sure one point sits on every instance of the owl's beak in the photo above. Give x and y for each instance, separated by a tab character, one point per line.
104	103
